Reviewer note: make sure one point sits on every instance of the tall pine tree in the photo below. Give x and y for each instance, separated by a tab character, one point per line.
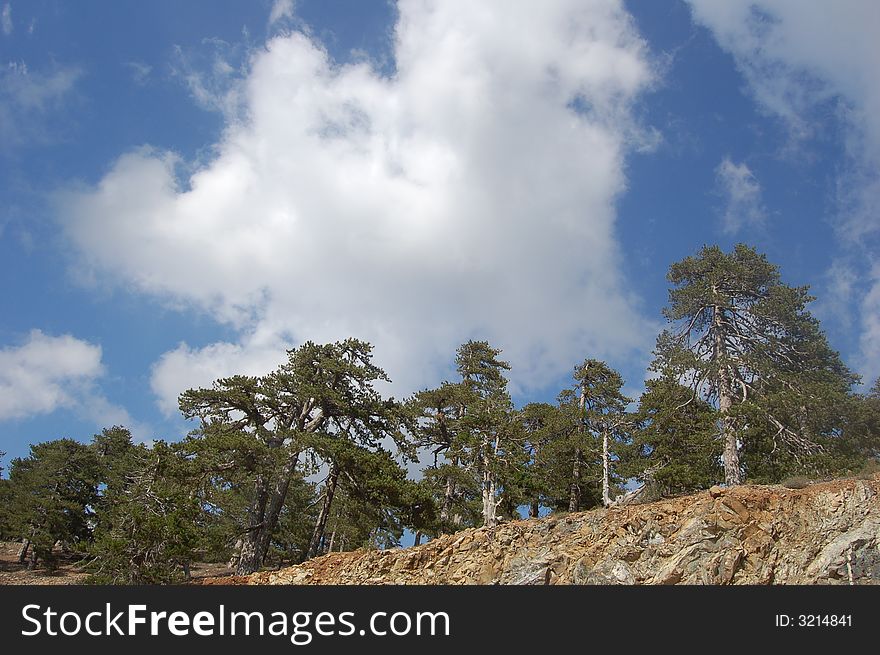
745	342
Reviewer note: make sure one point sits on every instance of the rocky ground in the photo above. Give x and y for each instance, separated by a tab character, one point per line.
825	533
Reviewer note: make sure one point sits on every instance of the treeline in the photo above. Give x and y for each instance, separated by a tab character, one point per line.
312	458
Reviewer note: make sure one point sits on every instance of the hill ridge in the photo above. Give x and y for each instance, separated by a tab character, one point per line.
825	533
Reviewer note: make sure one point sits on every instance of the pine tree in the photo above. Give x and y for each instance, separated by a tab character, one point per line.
6	532
243	430
292	418
472	426
117	458
151	523
374	503
745	342
674	444
490	443
52	495
580	438
341	376
538	422
861	431
437	415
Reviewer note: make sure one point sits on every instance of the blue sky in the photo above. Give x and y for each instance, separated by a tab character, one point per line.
190	188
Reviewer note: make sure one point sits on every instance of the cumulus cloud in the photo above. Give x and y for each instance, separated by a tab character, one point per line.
799	59
42	374
189	368
742	194
48	373
469	195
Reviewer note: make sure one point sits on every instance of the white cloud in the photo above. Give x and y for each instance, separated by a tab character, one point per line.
99	410
27	100
41	375
281	9
798	59
742	195
463	197
836	304
211	73
6	19
190	368
48	373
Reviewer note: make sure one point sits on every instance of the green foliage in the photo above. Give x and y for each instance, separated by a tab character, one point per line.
861	426
747	344
258	435
372	497
847	432
569	462
52	495
749	385
152	524
227	465
436	421
6	517
538	421
290	538
455	492
674	444
473	426
375	502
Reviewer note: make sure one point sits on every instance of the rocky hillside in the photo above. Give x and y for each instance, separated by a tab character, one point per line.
827	533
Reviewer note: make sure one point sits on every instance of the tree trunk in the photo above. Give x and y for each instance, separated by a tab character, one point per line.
448	496
418	538
236	554
606	487
23	551
574	499
533	509
489	506
732	471
447	508
249	559
275	505
490	484
323	515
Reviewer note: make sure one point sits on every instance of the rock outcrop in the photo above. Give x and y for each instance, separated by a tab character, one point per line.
826	533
